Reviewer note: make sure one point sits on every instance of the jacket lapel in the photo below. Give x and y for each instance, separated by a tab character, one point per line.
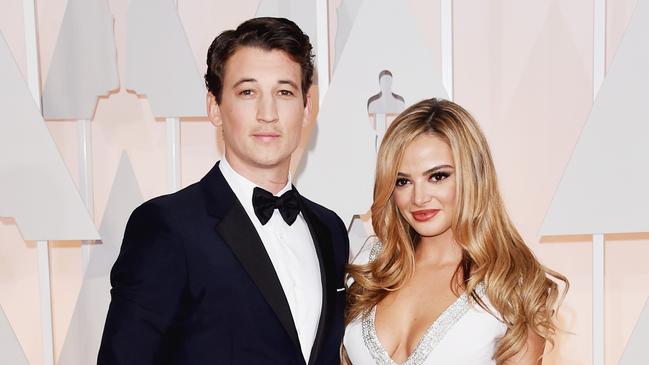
240	234
324	249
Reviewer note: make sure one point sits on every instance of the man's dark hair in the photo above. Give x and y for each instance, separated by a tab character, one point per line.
264	33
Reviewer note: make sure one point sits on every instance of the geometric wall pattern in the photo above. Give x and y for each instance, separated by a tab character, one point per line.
343	144
10	350
35	186
82	68
159	62
607	172
84	335
637	351
346	15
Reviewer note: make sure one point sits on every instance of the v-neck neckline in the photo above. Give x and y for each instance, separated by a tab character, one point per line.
428	341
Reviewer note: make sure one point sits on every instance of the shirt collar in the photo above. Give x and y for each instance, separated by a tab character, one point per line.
243	187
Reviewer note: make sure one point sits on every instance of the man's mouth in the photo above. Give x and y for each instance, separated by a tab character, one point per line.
266	136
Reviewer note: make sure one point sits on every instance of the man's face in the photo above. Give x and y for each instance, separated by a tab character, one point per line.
262	110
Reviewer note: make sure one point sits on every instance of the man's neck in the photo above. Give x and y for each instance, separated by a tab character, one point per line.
273	178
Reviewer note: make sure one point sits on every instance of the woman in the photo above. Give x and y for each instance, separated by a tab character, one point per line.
449	280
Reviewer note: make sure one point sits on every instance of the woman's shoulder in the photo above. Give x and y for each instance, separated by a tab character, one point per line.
368	252
480	303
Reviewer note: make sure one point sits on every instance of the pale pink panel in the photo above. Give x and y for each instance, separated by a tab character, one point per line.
19	288
524	70
618	14
13	29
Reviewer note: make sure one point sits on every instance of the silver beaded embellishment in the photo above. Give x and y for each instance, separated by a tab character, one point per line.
376	249
433	335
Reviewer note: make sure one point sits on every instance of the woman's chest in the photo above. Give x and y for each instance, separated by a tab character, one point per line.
467	335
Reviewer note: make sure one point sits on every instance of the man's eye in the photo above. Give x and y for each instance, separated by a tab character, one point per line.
246	92
401	182
286	93
439	176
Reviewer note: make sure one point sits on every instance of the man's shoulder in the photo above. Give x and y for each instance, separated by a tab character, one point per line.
181	197
336	226
322	212
187	200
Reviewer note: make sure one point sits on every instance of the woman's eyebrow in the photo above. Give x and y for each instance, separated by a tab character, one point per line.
436	168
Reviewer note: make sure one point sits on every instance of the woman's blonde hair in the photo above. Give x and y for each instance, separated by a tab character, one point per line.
519	287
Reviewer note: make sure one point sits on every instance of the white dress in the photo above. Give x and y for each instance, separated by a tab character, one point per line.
464	334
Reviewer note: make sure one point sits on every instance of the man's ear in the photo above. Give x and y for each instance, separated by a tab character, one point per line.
307	109
213	111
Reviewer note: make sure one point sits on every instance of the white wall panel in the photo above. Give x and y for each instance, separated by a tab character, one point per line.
342	149
159	62
84	65
612	151
35	187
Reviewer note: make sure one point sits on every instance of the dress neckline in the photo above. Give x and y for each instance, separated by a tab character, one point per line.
428	341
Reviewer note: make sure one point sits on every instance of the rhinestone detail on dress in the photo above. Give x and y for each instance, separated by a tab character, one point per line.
376	249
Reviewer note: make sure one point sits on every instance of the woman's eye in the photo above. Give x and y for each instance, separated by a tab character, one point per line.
439	176
401	182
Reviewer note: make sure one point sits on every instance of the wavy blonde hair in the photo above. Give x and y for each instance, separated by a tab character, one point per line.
520	288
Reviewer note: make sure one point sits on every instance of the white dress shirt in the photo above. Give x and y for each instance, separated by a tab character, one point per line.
292	251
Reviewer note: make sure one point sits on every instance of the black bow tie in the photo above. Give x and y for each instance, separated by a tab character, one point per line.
265	204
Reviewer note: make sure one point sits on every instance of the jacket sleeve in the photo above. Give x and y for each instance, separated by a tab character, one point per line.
147	281
345	239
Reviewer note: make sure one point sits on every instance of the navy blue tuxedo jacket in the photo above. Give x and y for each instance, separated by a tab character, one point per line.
193	284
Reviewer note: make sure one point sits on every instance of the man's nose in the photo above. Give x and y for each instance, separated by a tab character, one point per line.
267	109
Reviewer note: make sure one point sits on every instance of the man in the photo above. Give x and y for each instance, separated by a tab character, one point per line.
215	274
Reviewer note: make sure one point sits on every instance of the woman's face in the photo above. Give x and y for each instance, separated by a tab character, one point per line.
424	190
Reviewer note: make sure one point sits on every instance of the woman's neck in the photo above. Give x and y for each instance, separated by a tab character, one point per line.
440	250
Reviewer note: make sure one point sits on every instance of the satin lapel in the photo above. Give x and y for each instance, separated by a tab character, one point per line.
323	244
240	234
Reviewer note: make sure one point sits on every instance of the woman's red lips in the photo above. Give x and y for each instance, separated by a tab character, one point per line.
424	215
